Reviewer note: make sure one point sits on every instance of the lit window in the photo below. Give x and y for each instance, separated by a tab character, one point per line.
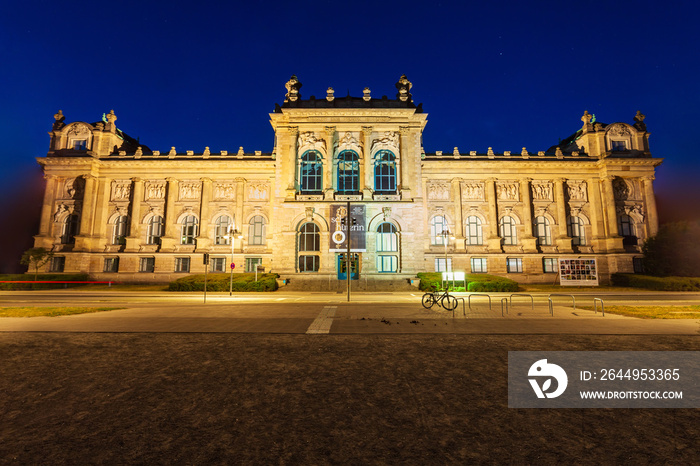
514	265
70	229
479	265
147	264
111	264
58	264
119	230
625	228
182	264
440	264
311	173
189	230
508	231
387	264
387	239
474	231
256	230
217	264
348	172
79	144
550	265
251	263
385	172
574	228
155	230
223	223
308	263
438	227
543	232
309	241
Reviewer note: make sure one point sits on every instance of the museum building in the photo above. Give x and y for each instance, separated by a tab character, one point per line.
345	169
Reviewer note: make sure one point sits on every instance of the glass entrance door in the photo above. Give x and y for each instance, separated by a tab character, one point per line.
342	266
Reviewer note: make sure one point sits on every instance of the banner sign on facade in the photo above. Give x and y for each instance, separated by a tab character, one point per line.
339	228
578	272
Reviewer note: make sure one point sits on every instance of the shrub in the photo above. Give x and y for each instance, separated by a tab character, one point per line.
81	277
476	282
220	282
656	283
674	251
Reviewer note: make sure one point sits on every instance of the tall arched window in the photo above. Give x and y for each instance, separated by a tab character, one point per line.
223	224
385	172
438	227
348	172
256	230
311	173
625	228
474	231
155	230
309	247
543	232
189	230
574	228
508	230
387	247
70	229
119	229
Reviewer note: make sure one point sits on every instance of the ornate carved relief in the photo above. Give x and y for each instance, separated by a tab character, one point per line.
78	130
576	190
190	190
155	190
473	191
390	141
224	191
542	191
61	209
258	191
438	190
70	188
309	141
508	191
621	189
619	129
348	142
121	190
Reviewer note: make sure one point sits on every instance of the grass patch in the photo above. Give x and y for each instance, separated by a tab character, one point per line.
653	312
221	282
34	311
476	282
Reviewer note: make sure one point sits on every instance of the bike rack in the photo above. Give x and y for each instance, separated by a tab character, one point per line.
469	299
464	310
573	299
523	294
551	306
506	301
595	306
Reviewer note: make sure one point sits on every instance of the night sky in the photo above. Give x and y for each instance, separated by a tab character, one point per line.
499	74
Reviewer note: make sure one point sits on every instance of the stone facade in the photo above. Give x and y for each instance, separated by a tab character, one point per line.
119	210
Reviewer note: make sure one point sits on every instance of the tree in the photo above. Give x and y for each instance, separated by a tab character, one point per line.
674	251
37	257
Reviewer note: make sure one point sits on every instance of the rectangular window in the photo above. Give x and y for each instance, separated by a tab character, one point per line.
58	264
479	265
251	263
440	264
514	265
308	263
79	144
182	264
387	264
217	264
618	146
147	264
550	265
111	264
638	264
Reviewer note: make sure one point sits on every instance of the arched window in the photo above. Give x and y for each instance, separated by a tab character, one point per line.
625	228
70	229
223	224
189	230
508	231
542	231
387	242
309	247
474	231
348	172
256	230
438	227
119	229
155	230
385	172
574	228
311	173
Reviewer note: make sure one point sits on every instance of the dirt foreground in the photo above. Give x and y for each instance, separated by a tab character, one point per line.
86	398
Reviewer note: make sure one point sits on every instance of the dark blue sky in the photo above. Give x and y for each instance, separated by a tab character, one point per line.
499	74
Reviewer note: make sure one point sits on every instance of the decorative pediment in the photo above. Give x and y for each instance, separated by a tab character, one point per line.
619	129
78	129
348	142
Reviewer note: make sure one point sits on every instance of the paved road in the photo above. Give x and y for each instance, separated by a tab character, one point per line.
331	313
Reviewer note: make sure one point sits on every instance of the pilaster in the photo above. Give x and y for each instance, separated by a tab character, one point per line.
406	181
528	241
459	223
329	163
203	239
82	241
170	239
133	241
563	241
493	240
368	185
652	218
613	240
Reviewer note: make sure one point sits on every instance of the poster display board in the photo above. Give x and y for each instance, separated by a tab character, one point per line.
578	272
339	229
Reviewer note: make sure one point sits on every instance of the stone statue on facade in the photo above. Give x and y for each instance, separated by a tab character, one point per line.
293	86
404	86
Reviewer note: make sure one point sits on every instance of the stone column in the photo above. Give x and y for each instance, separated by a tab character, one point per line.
493	240
596	211
368	185
563	242
329	164
238	221
170	239
613	239
650	207
528	241
134	239
203	239
292	158
102	212
48	206
406	181
459	222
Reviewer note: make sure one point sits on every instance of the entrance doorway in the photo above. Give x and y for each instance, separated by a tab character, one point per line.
354	266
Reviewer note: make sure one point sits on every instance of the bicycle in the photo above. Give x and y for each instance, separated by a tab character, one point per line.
446	300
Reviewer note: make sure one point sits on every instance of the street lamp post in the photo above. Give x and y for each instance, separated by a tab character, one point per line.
232	234
446	237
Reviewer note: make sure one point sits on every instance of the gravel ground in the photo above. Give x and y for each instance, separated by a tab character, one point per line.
311	399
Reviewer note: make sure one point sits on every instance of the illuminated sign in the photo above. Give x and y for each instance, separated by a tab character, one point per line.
578	272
